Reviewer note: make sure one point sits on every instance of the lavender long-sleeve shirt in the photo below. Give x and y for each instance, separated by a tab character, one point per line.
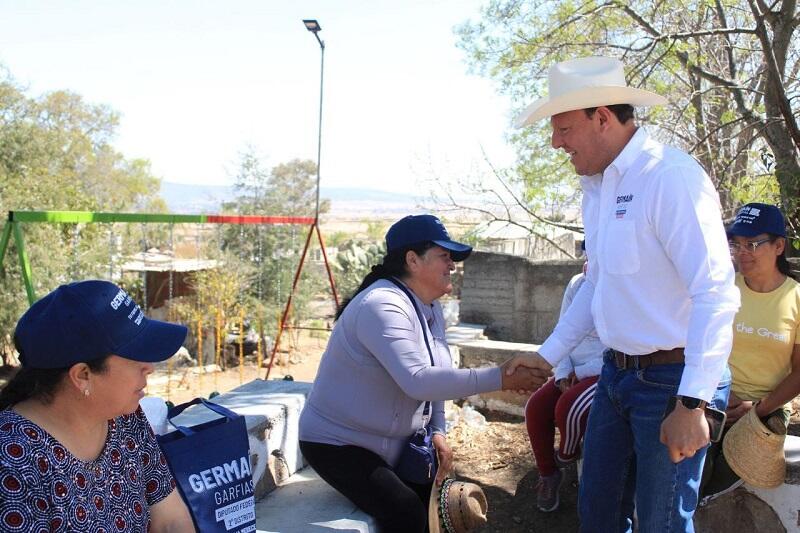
376	375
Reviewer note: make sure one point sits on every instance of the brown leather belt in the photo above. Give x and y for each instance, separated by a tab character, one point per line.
661	357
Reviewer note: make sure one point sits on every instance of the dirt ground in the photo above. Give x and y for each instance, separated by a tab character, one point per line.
498	457
183	383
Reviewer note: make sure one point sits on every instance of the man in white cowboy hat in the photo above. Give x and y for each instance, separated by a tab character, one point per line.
660	292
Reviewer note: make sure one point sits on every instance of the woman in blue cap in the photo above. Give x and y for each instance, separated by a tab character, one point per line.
765	357
386	373
76	451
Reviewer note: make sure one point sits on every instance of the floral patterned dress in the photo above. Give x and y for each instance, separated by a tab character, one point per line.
43	487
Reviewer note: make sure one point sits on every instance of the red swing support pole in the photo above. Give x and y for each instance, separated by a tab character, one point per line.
287	309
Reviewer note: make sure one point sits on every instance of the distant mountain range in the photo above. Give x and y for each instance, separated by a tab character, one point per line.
345	201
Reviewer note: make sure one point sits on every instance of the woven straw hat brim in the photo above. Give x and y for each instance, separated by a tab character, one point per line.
755	453
433	511
469	514
468	503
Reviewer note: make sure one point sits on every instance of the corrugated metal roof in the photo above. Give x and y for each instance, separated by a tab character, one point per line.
154	260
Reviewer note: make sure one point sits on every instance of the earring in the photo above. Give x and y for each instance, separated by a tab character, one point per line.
86	392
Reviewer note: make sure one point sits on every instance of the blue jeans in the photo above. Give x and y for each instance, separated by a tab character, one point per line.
625	460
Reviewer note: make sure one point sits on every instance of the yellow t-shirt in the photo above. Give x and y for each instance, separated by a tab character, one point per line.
765	330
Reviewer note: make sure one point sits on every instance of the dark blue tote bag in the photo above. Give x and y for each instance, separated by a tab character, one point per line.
211	465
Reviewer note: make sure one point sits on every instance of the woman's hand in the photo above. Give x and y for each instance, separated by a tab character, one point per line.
564	383
445	456
525	373
736	410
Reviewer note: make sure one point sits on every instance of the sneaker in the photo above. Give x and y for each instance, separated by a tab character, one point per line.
547	491
561	462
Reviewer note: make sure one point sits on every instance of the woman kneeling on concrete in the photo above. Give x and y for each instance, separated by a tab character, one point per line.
76	451
765	358
386	373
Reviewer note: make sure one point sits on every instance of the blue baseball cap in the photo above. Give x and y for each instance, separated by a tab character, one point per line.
755	218
86	320
416	229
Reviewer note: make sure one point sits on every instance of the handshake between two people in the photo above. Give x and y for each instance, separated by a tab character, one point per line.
526	373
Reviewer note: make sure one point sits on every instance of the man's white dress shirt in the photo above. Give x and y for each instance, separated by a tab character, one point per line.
660	274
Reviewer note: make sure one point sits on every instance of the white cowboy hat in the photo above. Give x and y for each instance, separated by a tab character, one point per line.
586	82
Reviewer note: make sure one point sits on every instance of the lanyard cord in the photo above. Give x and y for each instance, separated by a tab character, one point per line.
427	410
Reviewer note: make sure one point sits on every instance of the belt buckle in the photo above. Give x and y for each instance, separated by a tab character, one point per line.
621	360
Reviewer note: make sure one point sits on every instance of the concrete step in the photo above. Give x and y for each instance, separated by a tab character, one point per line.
306	504
272	413
463	332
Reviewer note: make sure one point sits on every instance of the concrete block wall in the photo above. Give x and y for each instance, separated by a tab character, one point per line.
517	298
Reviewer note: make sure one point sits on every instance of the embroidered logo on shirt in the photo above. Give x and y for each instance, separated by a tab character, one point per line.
623	199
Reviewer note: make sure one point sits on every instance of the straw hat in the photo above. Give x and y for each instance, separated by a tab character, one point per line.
755	452
456	507
583	83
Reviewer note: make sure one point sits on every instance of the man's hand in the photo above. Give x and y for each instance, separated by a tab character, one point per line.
684	432
531	361
525	373
445	456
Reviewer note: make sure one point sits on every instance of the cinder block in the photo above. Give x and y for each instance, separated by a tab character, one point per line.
518	299
487	352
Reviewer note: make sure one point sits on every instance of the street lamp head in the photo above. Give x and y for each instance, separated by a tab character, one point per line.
312	25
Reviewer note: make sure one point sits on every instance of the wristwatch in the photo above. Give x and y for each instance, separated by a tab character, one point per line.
691	403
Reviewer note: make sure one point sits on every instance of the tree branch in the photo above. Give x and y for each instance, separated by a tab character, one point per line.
570	227
578	15
683	57
774	72
685	35
492	217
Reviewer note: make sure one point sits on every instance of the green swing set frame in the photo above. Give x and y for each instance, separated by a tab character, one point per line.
16	218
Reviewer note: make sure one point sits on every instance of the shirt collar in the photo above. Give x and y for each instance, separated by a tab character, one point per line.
622	162
629	154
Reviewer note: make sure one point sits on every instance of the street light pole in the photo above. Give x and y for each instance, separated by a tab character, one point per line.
313	26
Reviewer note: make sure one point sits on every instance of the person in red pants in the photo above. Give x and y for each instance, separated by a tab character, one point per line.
563	402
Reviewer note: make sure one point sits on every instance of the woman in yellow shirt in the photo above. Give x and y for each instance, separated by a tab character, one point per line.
765	358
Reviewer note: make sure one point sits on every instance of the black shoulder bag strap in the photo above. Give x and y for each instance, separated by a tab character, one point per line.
426	412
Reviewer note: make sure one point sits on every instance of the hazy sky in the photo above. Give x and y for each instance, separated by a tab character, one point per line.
196	81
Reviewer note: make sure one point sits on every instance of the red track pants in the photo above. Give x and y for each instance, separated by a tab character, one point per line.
547	409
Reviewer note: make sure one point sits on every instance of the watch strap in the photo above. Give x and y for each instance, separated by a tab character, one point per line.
690	402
